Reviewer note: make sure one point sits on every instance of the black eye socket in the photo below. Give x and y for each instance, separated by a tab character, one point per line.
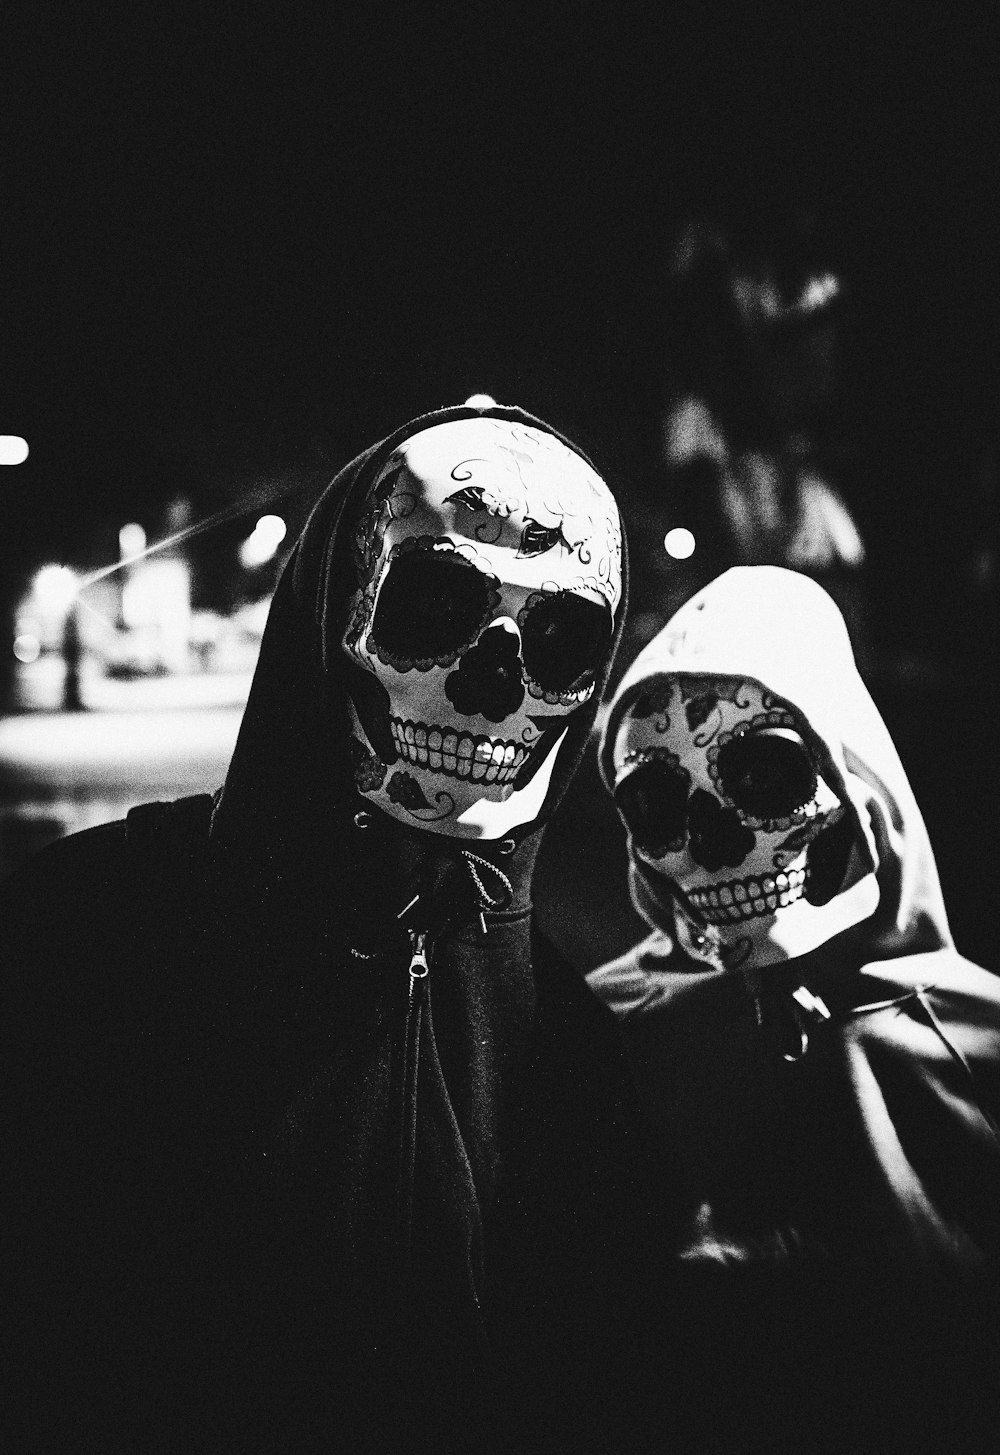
652	799
431	606
563	636
768	773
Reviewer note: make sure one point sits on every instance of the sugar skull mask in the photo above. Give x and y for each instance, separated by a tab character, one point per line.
488	560
722	792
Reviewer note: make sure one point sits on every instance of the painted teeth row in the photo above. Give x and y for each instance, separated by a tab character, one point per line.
457	754
745	899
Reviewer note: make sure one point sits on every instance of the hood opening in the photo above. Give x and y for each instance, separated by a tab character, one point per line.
780	631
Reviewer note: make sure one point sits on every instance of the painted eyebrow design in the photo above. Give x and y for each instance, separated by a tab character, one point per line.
474	497
536	538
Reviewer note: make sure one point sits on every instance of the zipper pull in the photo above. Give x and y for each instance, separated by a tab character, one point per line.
419	966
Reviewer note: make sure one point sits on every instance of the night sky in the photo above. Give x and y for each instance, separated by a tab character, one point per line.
238	252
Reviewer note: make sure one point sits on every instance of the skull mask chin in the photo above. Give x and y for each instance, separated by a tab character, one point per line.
730	818
488	561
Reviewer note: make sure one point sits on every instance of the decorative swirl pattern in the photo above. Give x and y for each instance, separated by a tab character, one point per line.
490	531
404	790
446	810
739	693
369	533
654	704
362	603
402	504
460	472
808	828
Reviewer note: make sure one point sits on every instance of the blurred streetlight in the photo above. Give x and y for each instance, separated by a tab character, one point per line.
13	449
55	588
27	647
263	541
55	600
679	543
131	541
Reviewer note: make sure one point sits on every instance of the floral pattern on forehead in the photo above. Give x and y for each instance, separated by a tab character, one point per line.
503	487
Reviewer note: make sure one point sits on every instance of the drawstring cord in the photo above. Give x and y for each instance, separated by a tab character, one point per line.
483	889
476	868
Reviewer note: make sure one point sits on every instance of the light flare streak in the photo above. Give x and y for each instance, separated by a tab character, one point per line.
218	517
104	620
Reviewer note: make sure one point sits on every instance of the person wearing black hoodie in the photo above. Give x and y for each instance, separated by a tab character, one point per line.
316	1142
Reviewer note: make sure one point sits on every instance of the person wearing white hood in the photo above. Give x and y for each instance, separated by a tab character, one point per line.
820	1067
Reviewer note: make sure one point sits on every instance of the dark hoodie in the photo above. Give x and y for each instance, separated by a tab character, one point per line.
824	1238
229	1233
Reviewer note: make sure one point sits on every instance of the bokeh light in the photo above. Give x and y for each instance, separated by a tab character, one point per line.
55	587
263	541
27	647
131	541
679	543
13	449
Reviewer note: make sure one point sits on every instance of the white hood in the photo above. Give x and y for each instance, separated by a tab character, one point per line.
781	630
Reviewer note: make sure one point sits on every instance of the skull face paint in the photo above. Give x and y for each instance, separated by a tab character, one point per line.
722	794
488	560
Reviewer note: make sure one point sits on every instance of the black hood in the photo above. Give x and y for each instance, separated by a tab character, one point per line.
307	887
278	825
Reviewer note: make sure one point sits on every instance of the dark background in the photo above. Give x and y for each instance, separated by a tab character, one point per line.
237	251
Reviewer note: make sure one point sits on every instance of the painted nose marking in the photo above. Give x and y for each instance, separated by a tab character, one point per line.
505	624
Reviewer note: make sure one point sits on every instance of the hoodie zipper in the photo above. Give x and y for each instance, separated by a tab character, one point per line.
417	991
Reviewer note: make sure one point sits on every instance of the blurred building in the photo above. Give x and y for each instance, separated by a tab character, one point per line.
752	443
126	686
